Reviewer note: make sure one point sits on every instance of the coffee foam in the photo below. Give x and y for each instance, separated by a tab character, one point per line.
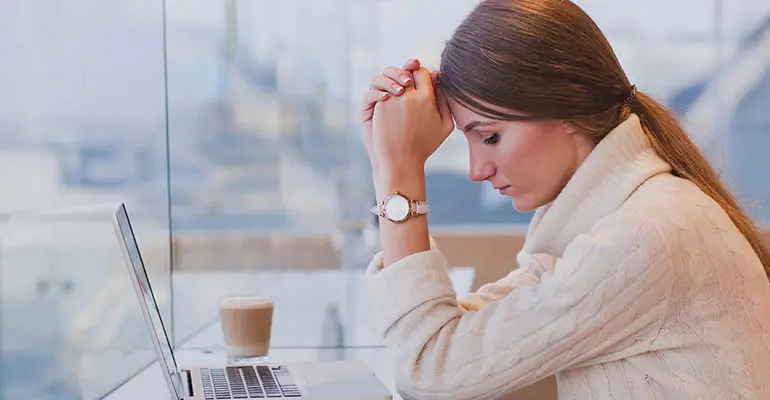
245	302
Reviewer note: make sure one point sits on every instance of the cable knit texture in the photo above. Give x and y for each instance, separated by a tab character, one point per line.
632	284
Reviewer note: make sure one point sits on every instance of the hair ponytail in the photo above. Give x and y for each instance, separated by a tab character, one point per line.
671	142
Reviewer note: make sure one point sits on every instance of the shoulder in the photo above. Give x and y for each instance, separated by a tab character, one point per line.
675	205
672	215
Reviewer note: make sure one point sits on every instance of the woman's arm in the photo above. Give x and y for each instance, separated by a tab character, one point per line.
528	272
607	296
530	268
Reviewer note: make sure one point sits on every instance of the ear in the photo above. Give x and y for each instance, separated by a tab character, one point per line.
570	128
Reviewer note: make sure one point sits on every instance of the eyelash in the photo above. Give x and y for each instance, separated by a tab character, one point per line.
492	139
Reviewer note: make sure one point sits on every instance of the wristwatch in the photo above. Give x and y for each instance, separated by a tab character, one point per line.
398	208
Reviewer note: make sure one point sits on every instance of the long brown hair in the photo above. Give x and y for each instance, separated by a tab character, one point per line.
547	59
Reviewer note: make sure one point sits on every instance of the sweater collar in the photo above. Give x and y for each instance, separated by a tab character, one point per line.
614	169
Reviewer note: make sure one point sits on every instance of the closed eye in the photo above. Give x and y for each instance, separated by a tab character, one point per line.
492	139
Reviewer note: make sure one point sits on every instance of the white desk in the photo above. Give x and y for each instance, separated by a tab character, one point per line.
304	327
149	384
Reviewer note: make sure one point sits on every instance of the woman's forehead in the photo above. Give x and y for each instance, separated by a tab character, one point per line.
466	118
460	110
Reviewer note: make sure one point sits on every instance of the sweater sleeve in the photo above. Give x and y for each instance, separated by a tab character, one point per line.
530	268
608	290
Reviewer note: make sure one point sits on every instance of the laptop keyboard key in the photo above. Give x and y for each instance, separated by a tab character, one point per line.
221	388
208	386
291	391
237	387
285	381
253	387
268	381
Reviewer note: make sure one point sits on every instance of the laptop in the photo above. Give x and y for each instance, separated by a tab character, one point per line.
343	380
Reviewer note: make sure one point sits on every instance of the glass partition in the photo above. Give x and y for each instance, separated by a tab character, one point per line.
82	109
82	122
70	322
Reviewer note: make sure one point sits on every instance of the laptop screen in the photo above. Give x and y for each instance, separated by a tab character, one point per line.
148	303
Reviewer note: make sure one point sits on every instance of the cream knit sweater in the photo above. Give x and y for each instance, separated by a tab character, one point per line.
632	284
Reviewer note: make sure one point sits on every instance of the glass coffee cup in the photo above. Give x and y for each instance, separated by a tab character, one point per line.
246	326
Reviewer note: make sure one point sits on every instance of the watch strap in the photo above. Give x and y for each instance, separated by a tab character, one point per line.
420	207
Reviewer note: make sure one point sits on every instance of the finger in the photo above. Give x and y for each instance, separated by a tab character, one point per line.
371	98
412	64
386	84
398	75
422	80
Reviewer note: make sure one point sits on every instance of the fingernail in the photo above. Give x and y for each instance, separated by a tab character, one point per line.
383	94
397	88
404	79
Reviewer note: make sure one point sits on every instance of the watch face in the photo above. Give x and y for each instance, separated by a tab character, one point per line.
396	208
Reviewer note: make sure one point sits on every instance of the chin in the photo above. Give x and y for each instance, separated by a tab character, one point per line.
523	204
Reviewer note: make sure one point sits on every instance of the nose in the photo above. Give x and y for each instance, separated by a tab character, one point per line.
481	169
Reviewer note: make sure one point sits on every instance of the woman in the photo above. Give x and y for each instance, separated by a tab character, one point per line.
640	277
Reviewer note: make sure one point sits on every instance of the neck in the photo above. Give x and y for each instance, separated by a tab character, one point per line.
604	179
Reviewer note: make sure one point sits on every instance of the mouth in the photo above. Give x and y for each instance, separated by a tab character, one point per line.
502	189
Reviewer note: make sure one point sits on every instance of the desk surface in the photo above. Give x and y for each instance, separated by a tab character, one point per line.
149	383
319	316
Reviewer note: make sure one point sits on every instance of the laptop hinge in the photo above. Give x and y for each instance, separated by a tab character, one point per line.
189	380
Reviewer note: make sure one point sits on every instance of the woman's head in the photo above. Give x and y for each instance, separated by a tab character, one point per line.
541	85
546	79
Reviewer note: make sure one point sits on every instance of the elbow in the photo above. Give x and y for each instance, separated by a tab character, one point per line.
428	376
414	384
430	371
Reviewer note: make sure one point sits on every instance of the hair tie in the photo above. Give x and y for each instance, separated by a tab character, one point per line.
631	98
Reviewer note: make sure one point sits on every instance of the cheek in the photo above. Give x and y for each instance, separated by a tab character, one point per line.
521	157
536	162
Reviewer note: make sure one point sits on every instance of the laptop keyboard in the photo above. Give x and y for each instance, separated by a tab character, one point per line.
248	382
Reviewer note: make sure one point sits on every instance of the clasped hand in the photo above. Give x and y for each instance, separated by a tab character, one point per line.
405	118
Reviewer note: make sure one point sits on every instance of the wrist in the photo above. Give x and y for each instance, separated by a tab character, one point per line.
409	181
392	171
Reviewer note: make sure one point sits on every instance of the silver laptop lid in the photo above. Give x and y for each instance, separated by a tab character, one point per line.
148	304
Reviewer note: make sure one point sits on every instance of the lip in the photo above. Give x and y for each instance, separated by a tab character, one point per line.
502	189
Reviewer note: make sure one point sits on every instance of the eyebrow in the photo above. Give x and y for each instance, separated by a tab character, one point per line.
475	124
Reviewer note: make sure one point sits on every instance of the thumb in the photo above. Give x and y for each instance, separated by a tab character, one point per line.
423	80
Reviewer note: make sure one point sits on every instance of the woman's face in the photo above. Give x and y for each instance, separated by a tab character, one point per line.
530	162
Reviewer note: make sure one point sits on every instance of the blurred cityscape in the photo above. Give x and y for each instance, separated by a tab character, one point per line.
260	110
240	116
